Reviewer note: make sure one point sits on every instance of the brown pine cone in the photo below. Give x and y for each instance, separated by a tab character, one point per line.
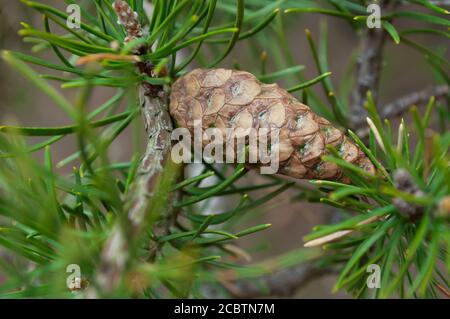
224	98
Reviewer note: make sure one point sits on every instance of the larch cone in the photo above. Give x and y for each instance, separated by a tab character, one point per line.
223	98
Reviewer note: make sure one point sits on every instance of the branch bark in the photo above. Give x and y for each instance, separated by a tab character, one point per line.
402	104
151	190
368	66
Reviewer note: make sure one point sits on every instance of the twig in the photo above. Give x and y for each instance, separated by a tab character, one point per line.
129	19
142	196
114	257
368	66
339	234
158	126
282	283
402	104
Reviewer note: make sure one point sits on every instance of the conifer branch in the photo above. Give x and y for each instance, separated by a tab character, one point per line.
142	196
369	65
282	283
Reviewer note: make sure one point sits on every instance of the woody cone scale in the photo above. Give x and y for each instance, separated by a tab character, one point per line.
223	98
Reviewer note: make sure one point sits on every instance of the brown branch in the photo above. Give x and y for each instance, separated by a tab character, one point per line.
129	19
367	71
125	236
159	127
441	2
282	283
403	104
368	66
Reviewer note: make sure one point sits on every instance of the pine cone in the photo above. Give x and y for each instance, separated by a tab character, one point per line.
224	98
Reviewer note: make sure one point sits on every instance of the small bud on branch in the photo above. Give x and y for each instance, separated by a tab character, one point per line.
129	19
404	182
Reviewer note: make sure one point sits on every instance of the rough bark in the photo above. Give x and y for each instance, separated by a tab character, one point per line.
368	66
283	283
401	105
